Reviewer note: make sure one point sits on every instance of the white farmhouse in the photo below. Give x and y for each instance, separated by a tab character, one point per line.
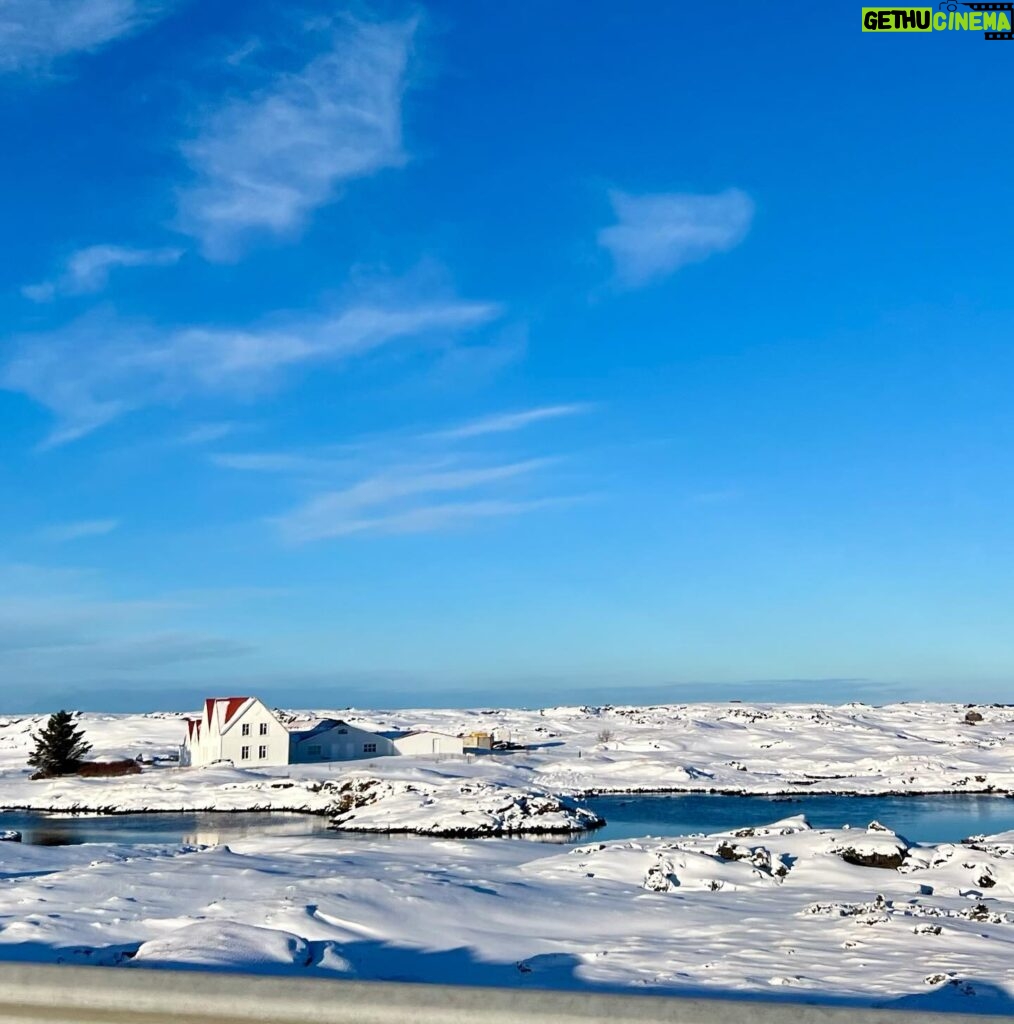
237	729
243	731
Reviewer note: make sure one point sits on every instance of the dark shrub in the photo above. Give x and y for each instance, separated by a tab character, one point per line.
108	769
59	747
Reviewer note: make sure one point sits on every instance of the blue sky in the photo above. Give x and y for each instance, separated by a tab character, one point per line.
515	353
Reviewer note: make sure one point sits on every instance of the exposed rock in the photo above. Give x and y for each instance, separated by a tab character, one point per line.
879	848
661	879
873	858
758	856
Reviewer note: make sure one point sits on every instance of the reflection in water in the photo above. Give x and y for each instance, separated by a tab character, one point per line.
50	835
206	837
195	829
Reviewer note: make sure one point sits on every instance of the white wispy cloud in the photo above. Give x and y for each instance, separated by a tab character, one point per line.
62	532
656	235
87	270
279	462
425	518
266	161
406	481
400	500
34	33
500	423
208	433
99	367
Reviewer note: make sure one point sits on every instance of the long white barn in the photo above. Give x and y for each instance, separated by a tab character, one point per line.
245	732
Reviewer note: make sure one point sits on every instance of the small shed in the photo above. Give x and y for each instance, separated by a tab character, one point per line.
478	741
423	741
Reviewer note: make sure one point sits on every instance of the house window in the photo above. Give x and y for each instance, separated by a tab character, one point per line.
314	751
369	748
246	729
264	728
244	754
343	732
262	752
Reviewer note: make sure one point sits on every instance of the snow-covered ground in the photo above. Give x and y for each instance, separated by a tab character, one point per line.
787	910
730	748
449	796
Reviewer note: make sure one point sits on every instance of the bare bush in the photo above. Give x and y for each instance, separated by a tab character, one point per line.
108	769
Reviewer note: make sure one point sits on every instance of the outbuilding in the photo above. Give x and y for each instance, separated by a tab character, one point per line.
422	742
334	740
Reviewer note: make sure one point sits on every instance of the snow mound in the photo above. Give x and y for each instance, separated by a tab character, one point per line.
782	827
226	945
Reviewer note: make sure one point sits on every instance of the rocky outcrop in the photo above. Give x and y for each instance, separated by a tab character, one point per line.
452	807
878	848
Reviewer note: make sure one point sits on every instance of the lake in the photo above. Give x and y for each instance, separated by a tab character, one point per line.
920	819
925	819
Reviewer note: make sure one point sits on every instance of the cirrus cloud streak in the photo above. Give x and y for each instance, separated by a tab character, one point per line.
100	367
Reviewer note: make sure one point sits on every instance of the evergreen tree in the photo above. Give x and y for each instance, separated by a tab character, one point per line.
59	747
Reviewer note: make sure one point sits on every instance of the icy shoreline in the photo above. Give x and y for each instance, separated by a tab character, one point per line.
367	804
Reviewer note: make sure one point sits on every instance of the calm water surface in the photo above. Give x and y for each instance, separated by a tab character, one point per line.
921	819
201	828
929	819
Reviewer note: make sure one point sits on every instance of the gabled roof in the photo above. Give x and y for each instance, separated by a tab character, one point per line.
232	705
324	725
227	709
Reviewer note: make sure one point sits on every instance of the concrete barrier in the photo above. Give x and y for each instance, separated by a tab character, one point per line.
32	994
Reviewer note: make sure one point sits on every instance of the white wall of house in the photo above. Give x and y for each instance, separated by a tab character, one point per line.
241	730
423	742
342	742
254	738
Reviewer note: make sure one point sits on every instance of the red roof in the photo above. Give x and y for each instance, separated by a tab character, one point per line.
233	704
